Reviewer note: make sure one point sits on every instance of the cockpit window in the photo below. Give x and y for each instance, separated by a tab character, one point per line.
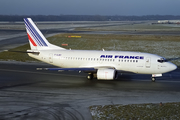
161	60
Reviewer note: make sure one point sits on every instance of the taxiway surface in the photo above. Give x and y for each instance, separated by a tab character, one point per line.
29	94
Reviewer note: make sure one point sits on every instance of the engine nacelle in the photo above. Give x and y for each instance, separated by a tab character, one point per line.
106	74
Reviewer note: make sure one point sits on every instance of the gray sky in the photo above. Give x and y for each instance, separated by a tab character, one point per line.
90	7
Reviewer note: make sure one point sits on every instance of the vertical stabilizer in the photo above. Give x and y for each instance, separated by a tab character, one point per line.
36	38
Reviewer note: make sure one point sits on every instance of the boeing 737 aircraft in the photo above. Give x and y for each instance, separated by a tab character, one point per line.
101	64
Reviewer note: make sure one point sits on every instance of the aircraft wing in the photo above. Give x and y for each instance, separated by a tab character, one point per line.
68	69
93	69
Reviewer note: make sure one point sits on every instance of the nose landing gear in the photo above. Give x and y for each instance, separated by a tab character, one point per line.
154	76
153	79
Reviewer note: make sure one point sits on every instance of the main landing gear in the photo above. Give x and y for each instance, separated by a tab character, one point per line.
91	76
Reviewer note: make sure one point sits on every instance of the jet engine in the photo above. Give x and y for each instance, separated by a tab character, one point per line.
106	74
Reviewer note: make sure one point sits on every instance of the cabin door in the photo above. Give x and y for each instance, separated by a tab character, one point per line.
51	58
148	62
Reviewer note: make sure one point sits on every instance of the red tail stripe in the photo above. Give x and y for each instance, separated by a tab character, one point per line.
31	40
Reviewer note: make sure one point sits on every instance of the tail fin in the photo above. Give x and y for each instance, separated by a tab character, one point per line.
36	38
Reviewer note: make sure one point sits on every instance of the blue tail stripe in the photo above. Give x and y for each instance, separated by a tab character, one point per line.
38	37
32	33
35	34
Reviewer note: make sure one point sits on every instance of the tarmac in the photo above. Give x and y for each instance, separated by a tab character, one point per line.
29	94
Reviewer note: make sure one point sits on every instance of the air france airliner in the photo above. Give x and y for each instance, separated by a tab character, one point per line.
103	65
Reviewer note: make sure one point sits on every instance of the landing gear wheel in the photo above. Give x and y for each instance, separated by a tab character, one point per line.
153	79
90	76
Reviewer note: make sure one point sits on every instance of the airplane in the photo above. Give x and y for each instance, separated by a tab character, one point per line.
103	65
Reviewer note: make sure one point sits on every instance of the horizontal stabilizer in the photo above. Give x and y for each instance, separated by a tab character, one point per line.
22	51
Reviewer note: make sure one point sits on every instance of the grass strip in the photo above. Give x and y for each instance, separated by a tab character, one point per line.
166	111
166	46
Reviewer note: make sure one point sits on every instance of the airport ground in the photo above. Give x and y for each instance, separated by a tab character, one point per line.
29	94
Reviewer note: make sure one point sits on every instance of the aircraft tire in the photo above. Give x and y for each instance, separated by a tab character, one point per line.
90	76
153	79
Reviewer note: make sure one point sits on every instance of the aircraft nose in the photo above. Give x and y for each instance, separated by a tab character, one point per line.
172	67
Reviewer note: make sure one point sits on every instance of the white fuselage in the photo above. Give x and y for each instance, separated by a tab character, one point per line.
136	62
